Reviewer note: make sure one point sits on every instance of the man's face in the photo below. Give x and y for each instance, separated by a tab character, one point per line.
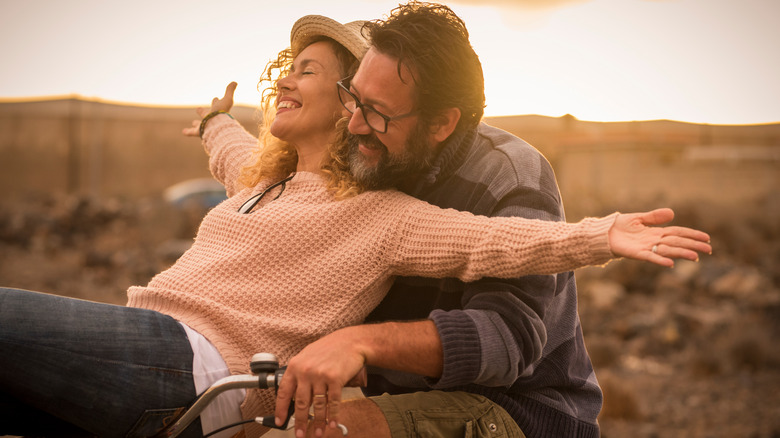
390	159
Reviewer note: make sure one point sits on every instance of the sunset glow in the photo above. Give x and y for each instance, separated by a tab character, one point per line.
704	61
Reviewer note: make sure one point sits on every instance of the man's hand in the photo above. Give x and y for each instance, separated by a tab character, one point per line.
327	365
217	104
316	376
636	236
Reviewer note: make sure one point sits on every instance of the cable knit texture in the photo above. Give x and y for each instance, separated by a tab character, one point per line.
303	265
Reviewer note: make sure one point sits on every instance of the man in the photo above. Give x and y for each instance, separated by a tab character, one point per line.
493	356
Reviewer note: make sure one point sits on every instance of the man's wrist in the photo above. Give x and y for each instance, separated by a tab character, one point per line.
413	347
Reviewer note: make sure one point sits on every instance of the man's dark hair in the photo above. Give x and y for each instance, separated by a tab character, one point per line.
433	43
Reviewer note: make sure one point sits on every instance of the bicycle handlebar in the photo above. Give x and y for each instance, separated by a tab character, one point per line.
266	374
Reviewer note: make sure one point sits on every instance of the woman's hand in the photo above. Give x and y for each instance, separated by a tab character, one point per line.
637	236
217	104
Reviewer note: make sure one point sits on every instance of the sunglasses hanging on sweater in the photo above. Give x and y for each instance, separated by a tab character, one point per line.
252	202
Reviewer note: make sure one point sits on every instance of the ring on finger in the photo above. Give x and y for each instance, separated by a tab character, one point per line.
320	395
654	250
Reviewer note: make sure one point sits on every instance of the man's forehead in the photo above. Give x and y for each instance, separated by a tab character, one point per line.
379	77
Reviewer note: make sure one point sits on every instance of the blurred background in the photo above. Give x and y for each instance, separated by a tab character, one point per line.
636	103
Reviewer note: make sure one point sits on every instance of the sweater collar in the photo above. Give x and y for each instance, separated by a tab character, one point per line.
308	177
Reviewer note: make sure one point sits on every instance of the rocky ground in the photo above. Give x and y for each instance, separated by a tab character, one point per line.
688	352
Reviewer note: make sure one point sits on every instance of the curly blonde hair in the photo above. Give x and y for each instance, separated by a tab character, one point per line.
274	158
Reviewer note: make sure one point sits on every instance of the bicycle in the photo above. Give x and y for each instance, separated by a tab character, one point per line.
266	374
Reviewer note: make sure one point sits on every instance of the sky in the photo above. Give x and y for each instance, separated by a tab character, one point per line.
700	61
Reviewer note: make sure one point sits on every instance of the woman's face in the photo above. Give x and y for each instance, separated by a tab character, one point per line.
307	103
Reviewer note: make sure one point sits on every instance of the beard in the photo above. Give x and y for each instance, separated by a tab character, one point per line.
398	171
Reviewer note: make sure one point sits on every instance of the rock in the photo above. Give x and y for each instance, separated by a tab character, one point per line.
620	399
740	282
604	351
603	294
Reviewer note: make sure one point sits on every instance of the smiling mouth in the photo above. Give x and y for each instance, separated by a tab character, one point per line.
287	104
370	146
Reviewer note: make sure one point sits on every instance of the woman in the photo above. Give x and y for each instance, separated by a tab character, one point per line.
295	252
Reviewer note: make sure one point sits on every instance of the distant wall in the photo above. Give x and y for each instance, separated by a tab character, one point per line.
639	165
98	149
101	149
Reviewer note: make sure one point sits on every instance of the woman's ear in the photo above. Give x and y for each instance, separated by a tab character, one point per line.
444	124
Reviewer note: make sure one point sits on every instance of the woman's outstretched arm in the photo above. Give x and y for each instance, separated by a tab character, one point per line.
440	243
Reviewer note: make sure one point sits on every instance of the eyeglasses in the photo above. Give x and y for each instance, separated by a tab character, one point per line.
374	119
250	203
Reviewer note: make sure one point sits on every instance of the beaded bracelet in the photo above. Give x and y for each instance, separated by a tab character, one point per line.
209	116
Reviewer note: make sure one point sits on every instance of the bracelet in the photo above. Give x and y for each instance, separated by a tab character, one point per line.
208	117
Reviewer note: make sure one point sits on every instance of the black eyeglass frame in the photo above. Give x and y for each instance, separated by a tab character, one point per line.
366	108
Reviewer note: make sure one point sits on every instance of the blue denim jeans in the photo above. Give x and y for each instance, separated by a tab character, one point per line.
71	367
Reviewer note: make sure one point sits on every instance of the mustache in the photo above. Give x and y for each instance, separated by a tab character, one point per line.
368	140
351	141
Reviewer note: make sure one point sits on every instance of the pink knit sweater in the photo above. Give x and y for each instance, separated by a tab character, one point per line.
304	265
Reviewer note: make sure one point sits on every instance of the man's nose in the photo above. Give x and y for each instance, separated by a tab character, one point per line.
357	123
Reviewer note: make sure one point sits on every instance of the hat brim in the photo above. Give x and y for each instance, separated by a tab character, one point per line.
310	27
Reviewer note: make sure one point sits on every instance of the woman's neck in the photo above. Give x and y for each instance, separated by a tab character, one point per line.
309	161
311	156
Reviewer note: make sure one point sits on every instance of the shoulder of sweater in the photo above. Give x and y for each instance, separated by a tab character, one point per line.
505	162
504	146
389	197
392	204
382	199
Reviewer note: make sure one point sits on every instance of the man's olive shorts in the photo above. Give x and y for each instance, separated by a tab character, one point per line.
446	414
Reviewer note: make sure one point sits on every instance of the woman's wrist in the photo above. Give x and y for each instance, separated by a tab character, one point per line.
210	116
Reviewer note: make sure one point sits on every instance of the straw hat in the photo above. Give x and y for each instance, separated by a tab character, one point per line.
307	28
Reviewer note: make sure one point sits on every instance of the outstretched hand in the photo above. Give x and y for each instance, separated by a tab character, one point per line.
638	236
217	104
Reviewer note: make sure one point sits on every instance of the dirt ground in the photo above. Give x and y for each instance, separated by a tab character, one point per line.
687	352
